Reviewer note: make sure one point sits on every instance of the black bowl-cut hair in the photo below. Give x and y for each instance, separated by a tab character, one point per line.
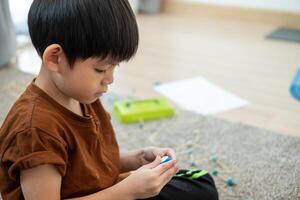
85	28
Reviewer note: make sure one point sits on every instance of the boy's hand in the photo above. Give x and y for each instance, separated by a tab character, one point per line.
150	153
148	180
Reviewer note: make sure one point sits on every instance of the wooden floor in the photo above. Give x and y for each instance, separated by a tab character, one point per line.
231	53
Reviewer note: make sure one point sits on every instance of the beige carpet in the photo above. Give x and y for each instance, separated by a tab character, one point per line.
264	164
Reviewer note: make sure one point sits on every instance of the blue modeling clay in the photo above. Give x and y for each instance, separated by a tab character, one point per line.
165	159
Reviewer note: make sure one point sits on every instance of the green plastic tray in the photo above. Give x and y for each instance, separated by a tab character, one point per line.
128	111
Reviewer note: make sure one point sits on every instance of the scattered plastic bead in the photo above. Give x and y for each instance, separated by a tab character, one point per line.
193	164
141	125
214	158
190	151
215	172
231	182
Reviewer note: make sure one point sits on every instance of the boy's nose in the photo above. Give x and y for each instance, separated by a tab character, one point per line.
108	79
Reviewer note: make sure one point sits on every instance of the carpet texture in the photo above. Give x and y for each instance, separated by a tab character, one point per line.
264	164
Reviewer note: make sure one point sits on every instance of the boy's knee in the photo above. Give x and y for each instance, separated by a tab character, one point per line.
184	187
211	192
204	188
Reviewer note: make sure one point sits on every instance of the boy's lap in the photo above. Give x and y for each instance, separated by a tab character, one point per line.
184	187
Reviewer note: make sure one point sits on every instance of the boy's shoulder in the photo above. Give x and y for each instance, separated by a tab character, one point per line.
33	110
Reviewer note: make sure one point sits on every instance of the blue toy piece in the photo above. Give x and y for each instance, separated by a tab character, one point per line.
231	182
295	87
214	157
215	172
141	124
165	159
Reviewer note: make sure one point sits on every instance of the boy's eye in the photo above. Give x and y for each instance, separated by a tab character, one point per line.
99	70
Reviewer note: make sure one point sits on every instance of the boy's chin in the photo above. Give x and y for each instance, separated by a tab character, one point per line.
89	101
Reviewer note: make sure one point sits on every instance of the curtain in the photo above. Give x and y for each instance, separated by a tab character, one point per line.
8	44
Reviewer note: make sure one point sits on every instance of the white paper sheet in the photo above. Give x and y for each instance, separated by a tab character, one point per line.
199	95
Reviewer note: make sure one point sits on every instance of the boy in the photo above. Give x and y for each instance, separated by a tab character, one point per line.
57	141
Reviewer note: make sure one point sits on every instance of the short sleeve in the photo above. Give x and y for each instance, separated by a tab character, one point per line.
33	148
108	115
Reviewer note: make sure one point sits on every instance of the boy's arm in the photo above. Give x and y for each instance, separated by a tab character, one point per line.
44	182
131	160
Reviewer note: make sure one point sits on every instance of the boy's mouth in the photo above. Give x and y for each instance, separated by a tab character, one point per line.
100	93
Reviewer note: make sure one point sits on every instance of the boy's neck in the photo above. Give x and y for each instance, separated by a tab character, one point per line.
45	83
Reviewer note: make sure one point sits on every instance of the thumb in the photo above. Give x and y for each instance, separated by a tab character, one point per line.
153	164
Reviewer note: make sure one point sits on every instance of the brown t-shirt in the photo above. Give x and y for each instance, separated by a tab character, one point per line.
38	131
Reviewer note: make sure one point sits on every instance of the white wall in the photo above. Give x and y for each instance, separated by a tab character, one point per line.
19	10
278	5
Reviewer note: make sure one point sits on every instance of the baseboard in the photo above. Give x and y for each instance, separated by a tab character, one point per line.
291	20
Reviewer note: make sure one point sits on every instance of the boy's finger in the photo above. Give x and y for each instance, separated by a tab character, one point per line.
153	164
167	175
171	153
161	168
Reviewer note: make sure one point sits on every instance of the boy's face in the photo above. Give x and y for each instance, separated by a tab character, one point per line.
87	80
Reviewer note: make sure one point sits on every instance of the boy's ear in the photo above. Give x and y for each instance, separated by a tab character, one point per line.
53	57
